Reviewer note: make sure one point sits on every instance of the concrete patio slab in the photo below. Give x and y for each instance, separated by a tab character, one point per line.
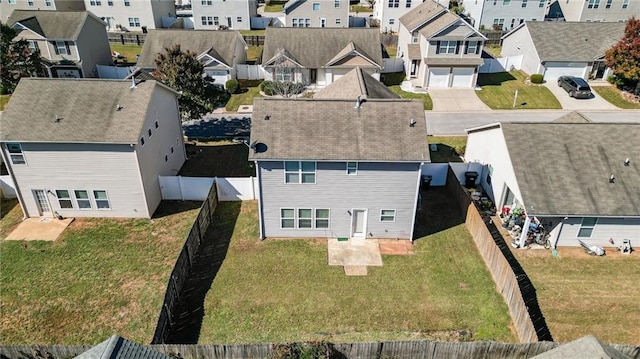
39	229
354	252
456	100
359	271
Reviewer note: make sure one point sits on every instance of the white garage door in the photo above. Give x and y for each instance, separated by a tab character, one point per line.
219	77
439	77
462	77
557	69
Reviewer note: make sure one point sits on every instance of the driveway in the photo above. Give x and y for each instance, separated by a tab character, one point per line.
456	100
569	103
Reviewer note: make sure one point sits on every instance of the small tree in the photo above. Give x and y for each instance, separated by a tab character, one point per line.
17	60
456	7
624	56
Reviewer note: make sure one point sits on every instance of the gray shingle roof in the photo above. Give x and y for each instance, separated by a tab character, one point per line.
585	347
117	347
421	13
86	109
573	117
224	43
573	41
564	168
61	25
315	47
438	24
312	129
353	83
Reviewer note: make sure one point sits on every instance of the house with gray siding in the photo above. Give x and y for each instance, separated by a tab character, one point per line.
8	6
439	48
70	43
230	14
132	15
504	15
580	180
316	13
599	10
338	168
91	148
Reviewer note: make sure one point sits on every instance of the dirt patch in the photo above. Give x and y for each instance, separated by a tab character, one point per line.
393	247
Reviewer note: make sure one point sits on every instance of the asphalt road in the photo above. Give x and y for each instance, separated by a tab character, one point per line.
454	123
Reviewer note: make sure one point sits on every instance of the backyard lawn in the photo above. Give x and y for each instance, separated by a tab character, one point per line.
498	91
612	95
128	51
428	105
254	52
10	216
447	148
283	290
360	8
103	276
245	97
580	294
4	99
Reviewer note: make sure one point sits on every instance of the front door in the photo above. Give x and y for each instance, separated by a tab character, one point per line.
313	76
229	22
323	22
359	223
414	67
42	201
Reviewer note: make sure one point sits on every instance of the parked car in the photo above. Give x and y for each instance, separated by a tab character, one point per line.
575	86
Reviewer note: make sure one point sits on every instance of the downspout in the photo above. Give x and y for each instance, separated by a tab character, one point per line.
415	202
260	210
15	184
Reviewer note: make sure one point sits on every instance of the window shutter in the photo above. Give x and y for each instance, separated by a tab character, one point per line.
478	44
55	47
458	46
437	47
66	45
466	48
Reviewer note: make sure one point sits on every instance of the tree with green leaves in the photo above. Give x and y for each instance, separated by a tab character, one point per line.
624	57
17	60
182	71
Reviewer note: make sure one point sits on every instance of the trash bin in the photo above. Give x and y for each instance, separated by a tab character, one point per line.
426	181
470	179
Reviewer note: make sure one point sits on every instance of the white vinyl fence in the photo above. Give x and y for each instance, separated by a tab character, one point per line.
392	65
7	188
113	72
249	72
501	64
197	188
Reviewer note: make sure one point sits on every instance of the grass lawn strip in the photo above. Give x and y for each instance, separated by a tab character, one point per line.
498	91
128	51
446	147
243	98
254	52
4	99
428	104
612	95
103	276
359	8
10	216
283	290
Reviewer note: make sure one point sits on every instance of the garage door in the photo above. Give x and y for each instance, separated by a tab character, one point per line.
557	69
219	77
462	77
439	77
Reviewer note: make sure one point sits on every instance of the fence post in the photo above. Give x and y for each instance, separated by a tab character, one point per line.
122	38
137	39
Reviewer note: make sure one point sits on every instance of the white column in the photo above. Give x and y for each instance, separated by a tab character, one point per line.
525	230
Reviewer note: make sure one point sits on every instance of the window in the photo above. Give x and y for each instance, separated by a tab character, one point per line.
207	2
64	198
542	3
506	2
414	37
472	47
30	2
593	4
305	219
394	3
316	6
299	172
149	132
48	3
287	218
283	74
127	3
134	21
586	227
82	199
294	22
336	3
207	20
447	47
141	141
95	3
157	124
322	218
62	48
15	153
338	21
33	46
625	4
239	19
352	168
102	201
392	21
408	5
12	1
216	21
524	3
110	2
387	215
498	24
307	22
609	3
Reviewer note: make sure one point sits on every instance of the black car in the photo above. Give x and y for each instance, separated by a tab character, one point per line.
575	86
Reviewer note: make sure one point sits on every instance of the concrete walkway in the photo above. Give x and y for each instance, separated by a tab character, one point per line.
456	100
39	229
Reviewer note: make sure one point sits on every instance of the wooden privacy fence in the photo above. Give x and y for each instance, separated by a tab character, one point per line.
254	40
126	38
510	278
493	37
183	265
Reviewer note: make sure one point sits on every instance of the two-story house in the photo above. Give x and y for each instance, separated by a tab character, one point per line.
132	15
504	14
219	51
439	48
71	43
599	10
316	13
388	12
232	14
338	168
8	6
317	57
89	147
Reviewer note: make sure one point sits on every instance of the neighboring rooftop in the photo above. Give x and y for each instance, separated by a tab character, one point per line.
117	347
85	109
316	129
354	83
585	347
57	25
421	14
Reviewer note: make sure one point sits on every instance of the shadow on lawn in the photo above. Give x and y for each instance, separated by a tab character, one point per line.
167	208
495	79
438	211
187	320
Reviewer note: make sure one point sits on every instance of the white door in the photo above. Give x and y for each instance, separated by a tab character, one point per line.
42	201
553	70
439	77
359	223
462	77
323	22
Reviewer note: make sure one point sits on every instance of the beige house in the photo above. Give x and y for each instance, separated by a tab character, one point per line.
316	13
132	15
8	6
71	43
91	148
439	48
599	10
388	12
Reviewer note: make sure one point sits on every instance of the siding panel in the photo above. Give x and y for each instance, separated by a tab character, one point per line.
616	228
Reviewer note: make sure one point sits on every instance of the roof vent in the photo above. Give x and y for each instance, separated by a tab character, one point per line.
612	179
267	117
118	107
358	101
412	123
627	161
58	119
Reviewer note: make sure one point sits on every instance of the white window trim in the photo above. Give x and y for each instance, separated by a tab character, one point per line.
387	215
281	218
449	44
83	199
310	218
11	155
313	6
296	218
347	168
475	47
70	199
315	219
95	199
582	226
300	172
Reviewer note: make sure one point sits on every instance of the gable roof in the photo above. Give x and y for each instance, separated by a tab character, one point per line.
438	24
573	41
421	14
564	168
573	117
86	109
585	347
117	347
316	129
61	25
355	83
221	43
315	47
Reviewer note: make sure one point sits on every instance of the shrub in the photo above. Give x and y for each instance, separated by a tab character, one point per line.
611	79
536	78
271	88
232	86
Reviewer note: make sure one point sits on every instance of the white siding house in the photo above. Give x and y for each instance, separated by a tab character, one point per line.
318	13
91	148
599	10
7	7
232	14
388	12
504	14
132	15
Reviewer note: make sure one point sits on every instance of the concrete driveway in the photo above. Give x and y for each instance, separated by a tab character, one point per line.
456	100
569	103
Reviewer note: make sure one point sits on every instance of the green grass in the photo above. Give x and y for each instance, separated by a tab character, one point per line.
273	8
359	8
498	91
447	145
252	32
128	51
103	276
612	95
254	52
243	98
493	50
392	51
10	216
4	99
283	290
428	105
